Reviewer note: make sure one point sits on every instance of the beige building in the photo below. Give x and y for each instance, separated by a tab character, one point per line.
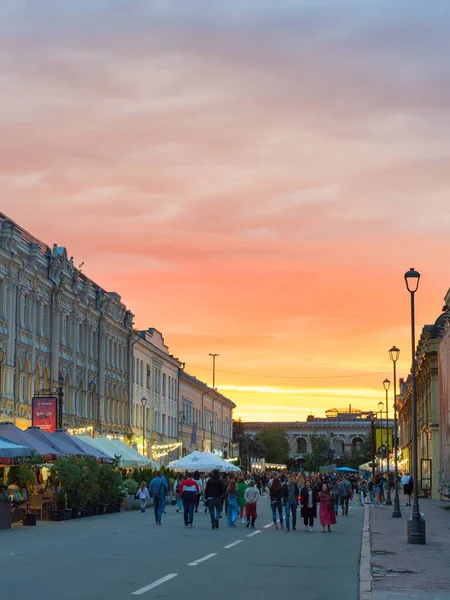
155	396
428	427
206	418
55	321
444	406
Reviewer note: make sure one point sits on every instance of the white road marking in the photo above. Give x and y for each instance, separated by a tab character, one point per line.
234	544
200	560
268	525
254	533
154	584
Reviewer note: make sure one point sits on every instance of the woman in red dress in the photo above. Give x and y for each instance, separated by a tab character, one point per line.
327	513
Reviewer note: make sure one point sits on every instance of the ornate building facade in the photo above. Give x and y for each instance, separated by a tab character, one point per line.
428	419
155	396
444	407
56	322
206	418
343	428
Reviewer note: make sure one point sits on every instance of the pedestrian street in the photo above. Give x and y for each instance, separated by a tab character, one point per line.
126	555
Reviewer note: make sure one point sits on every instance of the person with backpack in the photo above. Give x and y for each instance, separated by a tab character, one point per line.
158	490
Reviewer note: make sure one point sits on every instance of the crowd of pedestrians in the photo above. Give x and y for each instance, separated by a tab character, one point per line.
238	496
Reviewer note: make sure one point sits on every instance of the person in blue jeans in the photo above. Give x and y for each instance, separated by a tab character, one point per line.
233	506
214	492
157	491
290	494
188	491
275	494
335	492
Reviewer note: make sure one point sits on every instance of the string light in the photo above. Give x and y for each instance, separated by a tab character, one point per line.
161	450
81	430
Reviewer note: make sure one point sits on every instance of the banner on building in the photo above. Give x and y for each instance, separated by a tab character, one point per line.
44	411
194	434
382	438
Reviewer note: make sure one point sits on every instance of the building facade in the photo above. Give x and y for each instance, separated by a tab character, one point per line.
55	321
428	419
206	418
155	396
444	407
343	428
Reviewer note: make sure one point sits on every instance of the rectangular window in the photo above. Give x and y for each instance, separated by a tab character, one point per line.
148	376
164	384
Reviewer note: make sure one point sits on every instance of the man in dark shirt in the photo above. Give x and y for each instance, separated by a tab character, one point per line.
214	492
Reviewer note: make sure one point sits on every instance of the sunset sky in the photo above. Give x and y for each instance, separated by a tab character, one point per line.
252	177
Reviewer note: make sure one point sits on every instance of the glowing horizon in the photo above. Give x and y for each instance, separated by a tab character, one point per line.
252	181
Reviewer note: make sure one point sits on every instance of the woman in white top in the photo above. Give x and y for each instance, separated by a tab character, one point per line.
143	496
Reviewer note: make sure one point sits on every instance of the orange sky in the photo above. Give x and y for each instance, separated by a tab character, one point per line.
253	180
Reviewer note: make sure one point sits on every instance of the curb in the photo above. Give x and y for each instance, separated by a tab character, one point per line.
365	575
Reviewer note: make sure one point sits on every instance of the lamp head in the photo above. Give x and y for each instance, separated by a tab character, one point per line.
412	278
380	405
394	353
386	384
144	401
60	379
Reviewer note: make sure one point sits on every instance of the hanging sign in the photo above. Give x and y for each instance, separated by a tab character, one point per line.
44	413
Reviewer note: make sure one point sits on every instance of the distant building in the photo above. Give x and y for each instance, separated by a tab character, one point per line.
444	406
343	428
206	417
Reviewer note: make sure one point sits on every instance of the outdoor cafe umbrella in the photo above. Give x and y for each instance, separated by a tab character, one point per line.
346	470
128	452
13	434
104	445
79	447
11	450
58	445
222	465
196	461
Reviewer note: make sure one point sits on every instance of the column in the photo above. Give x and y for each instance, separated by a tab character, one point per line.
55	333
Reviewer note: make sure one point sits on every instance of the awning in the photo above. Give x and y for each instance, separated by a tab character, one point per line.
107	447
196	461
133	454
10	450
79	447
13	434
58	445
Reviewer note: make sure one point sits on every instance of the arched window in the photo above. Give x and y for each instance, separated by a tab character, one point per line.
338	446
301	446
357	443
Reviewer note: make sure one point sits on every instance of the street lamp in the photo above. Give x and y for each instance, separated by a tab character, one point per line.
394	353
214	355
60	400
144	404
387	385
380	449
416	525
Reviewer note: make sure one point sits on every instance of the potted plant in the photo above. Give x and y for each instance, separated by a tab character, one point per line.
58	514
5	510
129	487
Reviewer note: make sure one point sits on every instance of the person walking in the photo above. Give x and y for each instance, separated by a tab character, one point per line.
251	497
345	492
327	513
158	489
189	491
290	496
308	500
214	493
143	496
335	492
275	495
241	487
233	506
407	483
198	480
177	492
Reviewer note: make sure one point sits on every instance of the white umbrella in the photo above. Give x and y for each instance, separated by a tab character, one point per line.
196	461
222	465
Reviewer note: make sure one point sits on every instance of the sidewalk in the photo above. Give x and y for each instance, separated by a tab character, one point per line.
402	571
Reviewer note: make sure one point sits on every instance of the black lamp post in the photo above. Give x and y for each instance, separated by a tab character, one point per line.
2	358
416	525
60	400
144	404
380	449
394	353
387	385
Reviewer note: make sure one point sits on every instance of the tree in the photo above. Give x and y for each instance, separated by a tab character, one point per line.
358	456
320	454
276	441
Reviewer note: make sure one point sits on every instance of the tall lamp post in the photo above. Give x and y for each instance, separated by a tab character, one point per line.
387	385
60	400
144	404
214	368
2	358
380	406
416	525
394	353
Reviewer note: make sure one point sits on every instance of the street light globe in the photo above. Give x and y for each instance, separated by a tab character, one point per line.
412	278
380	405
60	379
143	401
394	353
386	384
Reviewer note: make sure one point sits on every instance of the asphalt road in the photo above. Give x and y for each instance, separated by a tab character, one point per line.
125	556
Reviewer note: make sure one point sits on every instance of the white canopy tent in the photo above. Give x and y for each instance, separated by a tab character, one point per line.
125	450
107	447
203	462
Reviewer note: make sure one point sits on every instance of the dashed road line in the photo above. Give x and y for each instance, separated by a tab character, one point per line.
234	544
200	560
150	586
254	533
268	525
